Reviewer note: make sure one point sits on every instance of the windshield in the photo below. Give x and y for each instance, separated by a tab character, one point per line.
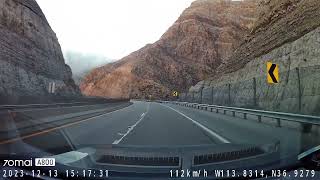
139	89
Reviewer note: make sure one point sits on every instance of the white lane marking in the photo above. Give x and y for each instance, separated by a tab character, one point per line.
132	127
129	130
209	131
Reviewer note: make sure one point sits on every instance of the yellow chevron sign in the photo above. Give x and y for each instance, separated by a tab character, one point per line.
272	73
175	94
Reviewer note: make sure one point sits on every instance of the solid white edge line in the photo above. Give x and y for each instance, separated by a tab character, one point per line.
209	131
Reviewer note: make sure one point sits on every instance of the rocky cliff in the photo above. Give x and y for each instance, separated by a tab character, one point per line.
287	33
30	55
192	49
279	22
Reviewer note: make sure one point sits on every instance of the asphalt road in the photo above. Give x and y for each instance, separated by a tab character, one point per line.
155	124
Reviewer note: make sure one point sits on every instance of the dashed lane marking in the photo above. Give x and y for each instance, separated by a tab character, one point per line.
130	129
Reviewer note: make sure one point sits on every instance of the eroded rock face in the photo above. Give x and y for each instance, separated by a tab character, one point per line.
30	54
286	33
279	22
198	42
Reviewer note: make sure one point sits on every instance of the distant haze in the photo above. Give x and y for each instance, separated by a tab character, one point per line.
81	64
113	28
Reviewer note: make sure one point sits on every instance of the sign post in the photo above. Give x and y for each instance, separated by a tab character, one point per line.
52	87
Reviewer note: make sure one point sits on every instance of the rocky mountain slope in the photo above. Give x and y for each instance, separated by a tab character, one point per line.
30	54
192	49
287	32
279	22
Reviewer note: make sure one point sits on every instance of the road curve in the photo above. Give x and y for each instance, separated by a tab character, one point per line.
155	124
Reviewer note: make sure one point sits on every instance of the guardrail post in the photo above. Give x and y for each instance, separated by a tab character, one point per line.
217	110
224	111
278	122
233	113
306	128
259	118
244	115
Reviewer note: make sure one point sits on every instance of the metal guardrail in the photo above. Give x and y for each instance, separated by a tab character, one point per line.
278	116
22	106
6	107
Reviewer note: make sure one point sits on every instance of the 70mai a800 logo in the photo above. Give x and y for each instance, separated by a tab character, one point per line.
17	163
45	162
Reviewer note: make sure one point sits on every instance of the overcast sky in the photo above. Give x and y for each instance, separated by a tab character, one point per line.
112	28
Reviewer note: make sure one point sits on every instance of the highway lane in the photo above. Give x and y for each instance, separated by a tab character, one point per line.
240	131
139	124
103	129
162	126
152	124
